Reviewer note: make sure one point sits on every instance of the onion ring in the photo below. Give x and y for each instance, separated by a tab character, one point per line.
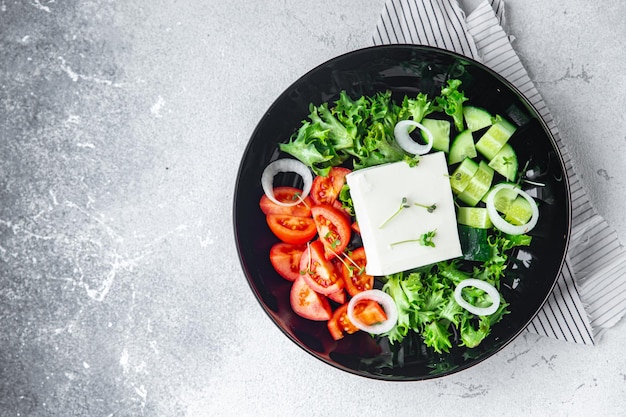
385	301
482	285
502	224
401	133
286	165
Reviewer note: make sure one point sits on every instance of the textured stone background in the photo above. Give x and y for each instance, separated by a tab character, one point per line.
121	129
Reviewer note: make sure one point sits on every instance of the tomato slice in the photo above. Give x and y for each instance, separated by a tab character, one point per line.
287	195
339	297
369	312
354	276
325	190
285	259
320	273
307	303
333	229
338	205
339	324
292	229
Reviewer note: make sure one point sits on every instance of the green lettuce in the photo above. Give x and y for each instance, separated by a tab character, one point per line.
426	303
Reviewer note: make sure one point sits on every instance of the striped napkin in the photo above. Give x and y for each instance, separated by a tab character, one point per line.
590	294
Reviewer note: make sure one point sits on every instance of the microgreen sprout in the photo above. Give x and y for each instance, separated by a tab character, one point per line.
426	239
456	176
298	196
403	204
535	183
429	209
507	160
347	256
334	241
412	161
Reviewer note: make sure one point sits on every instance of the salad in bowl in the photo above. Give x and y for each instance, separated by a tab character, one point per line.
401	212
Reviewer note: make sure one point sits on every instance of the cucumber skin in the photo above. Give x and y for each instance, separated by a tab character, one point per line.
440	129
476	118
462	147
474	243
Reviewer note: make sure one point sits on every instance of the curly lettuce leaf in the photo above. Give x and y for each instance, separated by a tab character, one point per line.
377	147
346	200
394	289
340	135
312	146
437	336
416	108
451	102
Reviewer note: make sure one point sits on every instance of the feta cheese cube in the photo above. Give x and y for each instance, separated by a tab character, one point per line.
377	193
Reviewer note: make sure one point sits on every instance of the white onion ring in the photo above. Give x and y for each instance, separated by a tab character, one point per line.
482	285
286	165
401	132
502	224
385	301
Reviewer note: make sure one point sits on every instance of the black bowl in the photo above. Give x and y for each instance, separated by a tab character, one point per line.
404	70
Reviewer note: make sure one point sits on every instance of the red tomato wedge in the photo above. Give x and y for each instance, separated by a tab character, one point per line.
333	229
307	303
292	229
285	259
338	205
339	297
287	195
369	312
320	273
354	276
339	324
326	189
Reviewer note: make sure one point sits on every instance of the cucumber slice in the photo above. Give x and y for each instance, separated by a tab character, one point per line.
476	118
494	139
518	212
474	243
462	147
478	186
505	162
462	175
474	217
440	129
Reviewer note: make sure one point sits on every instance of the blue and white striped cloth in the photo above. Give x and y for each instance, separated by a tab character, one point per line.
590	295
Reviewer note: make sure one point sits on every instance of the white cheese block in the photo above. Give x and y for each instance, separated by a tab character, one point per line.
377	194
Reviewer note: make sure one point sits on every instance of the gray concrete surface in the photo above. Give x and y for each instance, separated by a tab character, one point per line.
121	128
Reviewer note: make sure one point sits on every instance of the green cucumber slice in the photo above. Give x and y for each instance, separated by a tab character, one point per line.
474	243
476	217
478	186
462	175
476	118
518	212
462	147
440	129
494	139
505	162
